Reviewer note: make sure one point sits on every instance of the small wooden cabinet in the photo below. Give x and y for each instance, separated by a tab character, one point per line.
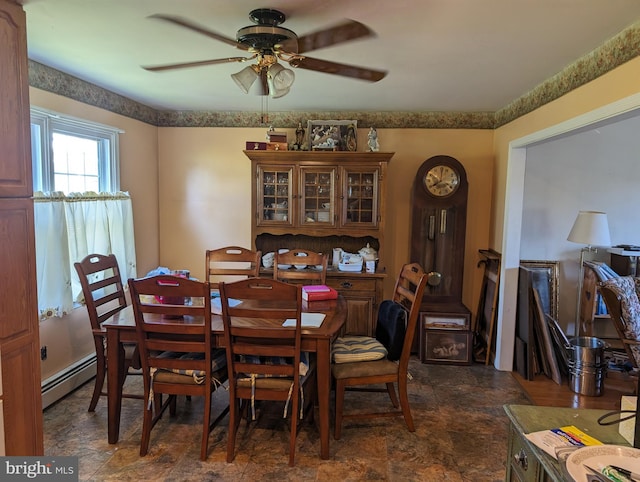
363	293
321	200
528	463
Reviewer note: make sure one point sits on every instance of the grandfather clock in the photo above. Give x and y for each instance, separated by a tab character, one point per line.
439	206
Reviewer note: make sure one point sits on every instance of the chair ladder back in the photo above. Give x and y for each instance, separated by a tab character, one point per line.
315	273
408	292
231	261
102	287
253	339
190	326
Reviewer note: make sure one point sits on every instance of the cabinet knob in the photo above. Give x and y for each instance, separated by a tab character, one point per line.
346	285
521	459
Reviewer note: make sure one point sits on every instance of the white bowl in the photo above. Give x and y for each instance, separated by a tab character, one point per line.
283	266
267	260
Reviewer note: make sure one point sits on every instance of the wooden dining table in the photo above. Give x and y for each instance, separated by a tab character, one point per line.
121	329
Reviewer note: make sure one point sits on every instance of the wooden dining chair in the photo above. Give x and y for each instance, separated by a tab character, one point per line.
311	266
176	349
390	351
263	356
231	261
104	296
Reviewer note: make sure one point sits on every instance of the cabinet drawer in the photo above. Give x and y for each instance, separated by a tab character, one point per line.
522	463
352	284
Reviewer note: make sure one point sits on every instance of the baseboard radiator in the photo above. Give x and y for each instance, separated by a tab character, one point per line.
67	380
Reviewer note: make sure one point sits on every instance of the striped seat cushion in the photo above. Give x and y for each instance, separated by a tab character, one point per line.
348	349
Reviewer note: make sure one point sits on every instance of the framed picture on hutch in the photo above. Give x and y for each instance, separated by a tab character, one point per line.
333	135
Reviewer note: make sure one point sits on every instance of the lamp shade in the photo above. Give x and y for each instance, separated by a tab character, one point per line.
280	80
245	78
590	228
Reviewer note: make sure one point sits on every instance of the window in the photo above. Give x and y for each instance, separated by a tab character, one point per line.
73	155
78	209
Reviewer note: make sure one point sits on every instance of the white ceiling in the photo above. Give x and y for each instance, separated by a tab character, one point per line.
441	55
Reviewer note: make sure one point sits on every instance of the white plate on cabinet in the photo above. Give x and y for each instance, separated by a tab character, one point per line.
598	456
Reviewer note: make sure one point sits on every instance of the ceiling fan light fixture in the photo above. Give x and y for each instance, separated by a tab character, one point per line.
279	80
246	77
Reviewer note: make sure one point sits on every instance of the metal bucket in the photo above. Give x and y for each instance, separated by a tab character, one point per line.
587	380
586	350
587	365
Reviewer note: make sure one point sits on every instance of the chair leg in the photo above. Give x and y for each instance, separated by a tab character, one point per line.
234	421
404	402
295	413
340	388
147	423
101	371
392	394
205	427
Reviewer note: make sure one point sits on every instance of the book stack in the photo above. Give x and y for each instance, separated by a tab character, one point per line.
318	293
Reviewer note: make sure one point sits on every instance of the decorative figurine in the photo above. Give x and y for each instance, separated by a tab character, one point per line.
299	137
269	132
372	140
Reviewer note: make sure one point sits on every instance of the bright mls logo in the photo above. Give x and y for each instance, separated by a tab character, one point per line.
55	469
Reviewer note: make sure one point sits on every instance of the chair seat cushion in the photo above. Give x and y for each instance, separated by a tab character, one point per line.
347	349
218	365
163	376
364	369
273	383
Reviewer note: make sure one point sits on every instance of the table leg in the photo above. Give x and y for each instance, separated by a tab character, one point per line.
324	390
115	377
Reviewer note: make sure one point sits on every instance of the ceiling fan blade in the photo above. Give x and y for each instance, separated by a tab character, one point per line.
344	32
197	28
184	65
335	68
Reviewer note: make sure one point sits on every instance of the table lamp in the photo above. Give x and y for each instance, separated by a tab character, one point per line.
590	228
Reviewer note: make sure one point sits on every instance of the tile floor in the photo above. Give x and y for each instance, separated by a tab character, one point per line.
460	435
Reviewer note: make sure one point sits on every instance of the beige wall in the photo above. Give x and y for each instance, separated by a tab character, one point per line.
69	339
205	192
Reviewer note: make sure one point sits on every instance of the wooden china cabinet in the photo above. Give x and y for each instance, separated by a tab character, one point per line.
322	200
20	394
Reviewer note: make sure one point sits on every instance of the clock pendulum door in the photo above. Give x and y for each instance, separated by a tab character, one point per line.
439	204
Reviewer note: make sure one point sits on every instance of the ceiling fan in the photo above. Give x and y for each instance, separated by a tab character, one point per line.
266	42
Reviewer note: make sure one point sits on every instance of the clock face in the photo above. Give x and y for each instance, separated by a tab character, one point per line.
442	180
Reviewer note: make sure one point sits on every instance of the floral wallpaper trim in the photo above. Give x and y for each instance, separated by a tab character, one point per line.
613	53
58	82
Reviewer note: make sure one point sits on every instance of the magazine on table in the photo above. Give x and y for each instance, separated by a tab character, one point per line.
560	442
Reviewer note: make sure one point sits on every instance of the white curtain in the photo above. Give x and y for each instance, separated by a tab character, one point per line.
68	228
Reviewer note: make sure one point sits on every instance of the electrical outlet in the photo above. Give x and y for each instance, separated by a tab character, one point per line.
43	353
